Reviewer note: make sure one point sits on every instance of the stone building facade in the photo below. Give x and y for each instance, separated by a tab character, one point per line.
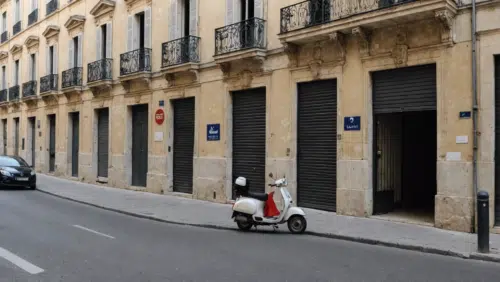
363	105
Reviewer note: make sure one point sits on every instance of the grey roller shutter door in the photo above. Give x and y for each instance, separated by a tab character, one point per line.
33	140
183	145
139	145
52	143
317	145
102	142
497	140
75	146
249	137
404	89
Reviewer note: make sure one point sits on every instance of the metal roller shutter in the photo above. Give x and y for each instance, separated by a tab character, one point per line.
139	145
102	142
75	146
497	140
317	145
404	89
249	137
183	145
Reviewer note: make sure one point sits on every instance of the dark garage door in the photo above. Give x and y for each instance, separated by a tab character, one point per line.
102	142
497	140
139	145
317	145
249	137
183	145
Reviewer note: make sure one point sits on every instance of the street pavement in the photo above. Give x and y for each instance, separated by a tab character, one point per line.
45	238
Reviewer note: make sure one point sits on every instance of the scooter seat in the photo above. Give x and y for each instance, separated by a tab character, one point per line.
258	196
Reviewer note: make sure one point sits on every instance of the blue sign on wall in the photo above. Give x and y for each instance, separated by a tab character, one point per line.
161	103
464	114
352	123
213	132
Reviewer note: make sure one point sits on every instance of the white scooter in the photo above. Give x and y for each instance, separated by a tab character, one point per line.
253	209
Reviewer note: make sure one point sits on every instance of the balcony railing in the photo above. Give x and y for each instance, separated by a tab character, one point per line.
135	61
4	36
48	83
16	28
29	89
33	17
100	70
72	77
3	95
305	14
14	93
314	12
239	36
51	7
180	51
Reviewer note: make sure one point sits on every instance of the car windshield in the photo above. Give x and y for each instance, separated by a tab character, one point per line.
10	161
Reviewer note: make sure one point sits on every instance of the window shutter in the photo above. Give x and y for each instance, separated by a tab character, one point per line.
147	27
80	51
55	58
172	25
193	17
98	41
130	33
47	60
71	53
258	9
237	11
229	12
35	67
109	40
35	4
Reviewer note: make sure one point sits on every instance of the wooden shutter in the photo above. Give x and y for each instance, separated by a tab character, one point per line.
34	66
79	59
147	27
193	17
130	33
229	11
172	20
55	56
71	54
98	42
47	60
109	40
259	9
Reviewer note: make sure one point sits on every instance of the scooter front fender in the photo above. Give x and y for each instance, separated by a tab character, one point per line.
293	211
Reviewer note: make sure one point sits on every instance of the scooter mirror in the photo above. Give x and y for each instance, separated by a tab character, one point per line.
271	174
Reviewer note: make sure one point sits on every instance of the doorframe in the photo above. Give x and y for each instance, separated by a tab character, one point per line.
128	143
47	141
69	144
438	61
95	145
29	141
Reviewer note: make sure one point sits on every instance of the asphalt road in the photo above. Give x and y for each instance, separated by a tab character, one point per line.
43	238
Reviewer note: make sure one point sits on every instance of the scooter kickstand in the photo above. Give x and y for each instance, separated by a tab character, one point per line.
275	227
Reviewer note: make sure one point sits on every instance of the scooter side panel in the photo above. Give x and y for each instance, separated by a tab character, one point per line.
293	211
246	206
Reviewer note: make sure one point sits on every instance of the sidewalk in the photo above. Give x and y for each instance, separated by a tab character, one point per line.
207	214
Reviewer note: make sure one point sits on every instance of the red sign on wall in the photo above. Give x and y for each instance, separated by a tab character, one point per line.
159	116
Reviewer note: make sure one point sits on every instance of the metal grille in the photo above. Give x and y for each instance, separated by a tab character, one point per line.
180	51
404	89
14	93
102	142
3	95
33	17
184	118
48	83
241	35
4	37
72	77
52	143
249	137
29	88
317	145
100	70
305	14
497	140
135	61
139	145
51	7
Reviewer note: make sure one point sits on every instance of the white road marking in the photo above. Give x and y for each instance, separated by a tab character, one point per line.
93	231
19	262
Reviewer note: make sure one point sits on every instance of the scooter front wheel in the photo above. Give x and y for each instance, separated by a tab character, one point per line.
244	226
297	224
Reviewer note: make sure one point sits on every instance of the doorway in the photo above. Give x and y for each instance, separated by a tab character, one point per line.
405	143
16	136
139	145
75	142
4	135
102	142
184	122
31	140
52	142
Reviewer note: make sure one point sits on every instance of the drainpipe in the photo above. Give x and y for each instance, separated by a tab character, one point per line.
474	113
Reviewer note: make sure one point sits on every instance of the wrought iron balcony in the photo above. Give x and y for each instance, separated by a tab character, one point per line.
305	14
135	61
239	36
51	7
72	77
4	37
180	51
14	93
16	28
48	83
3	95
100	70
33	17
29	89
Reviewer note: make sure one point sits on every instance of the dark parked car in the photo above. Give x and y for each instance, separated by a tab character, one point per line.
15	172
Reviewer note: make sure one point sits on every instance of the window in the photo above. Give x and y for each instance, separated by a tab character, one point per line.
240	10
17	11
51	60
103	41
247	9
33	67
4	22
34	5
16	73
139	30
4	77
75	52
183	18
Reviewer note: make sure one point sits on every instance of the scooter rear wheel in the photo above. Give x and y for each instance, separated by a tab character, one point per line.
297	224
244	226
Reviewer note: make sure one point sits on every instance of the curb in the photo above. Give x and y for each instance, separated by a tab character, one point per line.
421	249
